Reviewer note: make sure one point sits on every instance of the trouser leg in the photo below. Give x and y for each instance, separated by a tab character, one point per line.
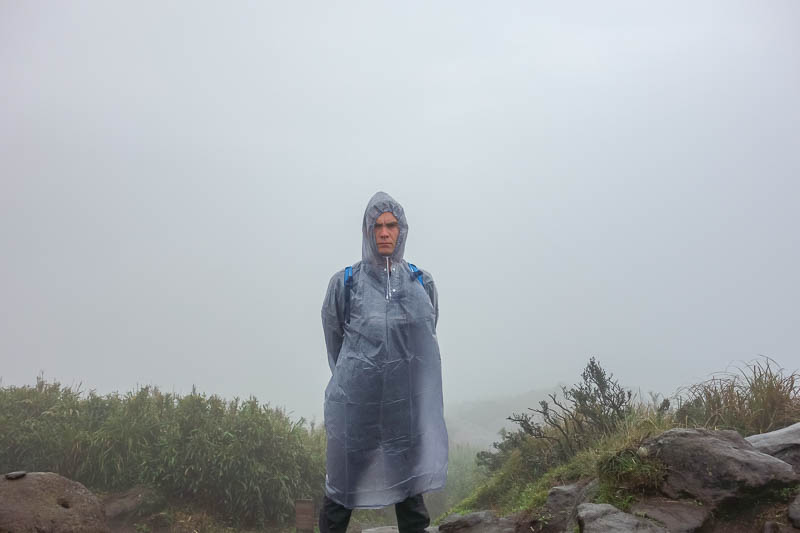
412	516
333	518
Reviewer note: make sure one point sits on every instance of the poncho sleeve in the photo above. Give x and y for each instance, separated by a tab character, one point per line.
333	317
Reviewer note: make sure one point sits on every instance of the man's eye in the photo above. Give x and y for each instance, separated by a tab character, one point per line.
390	225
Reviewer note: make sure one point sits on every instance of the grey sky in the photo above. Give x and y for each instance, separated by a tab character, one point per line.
178	182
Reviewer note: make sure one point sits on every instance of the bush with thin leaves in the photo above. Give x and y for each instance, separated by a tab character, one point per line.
586	412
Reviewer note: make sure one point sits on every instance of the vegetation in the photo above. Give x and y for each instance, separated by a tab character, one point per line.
626	474
755	398
240	460
246	463
552	436
591	409
596	428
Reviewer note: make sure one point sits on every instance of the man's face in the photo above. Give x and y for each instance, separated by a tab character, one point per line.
386	232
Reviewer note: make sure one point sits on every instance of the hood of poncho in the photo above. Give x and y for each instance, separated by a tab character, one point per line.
381	203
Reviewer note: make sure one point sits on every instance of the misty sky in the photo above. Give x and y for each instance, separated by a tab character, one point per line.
179	180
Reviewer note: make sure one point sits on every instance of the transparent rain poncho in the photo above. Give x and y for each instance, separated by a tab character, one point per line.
383	405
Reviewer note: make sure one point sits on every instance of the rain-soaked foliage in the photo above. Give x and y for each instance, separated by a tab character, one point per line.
242	460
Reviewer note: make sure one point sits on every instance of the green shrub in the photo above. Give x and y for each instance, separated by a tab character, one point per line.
585	413
627	474
242	460
588	411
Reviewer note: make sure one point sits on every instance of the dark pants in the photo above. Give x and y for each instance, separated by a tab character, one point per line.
412	516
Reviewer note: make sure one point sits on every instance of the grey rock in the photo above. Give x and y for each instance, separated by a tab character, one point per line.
570	496
782	443
482	521
794	512
44	502
675	515
561	510
716	466
603	518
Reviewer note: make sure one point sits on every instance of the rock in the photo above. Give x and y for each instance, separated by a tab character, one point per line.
482	521
716	466
602	518
44	502
560	513
566	498
675	515
783	444
794	512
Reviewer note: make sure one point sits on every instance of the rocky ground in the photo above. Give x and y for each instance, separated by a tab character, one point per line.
715	482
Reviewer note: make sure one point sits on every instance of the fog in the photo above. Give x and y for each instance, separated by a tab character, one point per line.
179	181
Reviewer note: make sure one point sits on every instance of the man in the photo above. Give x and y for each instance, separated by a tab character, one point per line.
387	442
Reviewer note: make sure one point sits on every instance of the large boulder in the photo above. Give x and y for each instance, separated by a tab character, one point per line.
783	444
677	516
602	518
716	466
44	502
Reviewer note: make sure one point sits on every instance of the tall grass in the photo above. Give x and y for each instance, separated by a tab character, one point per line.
757	397
241	460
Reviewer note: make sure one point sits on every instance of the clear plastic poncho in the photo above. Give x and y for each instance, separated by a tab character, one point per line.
383	405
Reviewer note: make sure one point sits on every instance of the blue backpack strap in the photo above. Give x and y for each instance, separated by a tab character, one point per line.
417	272
348	285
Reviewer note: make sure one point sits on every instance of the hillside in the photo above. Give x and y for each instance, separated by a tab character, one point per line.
603	461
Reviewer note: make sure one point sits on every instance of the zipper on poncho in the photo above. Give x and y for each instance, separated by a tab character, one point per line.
388	283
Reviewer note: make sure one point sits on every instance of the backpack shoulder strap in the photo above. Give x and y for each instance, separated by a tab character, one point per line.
417	272
348	286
